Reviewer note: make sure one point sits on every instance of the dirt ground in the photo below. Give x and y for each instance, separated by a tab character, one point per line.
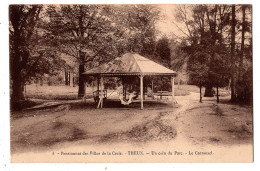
223	128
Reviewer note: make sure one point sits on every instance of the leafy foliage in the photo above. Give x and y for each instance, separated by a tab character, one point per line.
138	25
163	50
205	43
197	65
84	32
29	58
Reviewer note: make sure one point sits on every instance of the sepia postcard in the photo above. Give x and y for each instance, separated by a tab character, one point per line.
131	83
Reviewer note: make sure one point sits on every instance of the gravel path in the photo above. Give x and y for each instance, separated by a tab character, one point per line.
190	125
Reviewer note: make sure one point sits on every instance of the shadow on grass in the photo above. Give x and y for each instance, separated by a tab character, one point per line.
228	102
20	105
150	105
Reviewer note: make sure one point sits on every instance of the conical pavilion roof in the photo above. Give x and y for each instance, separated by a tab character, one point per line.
131	64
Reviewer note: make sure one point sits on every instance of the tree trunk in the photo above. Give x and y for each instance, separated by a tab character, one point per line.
17	94
208	92
233	34
82	88
239	85
69	78
41	81
17	81
200	95
82	56
66	77
18	89
179	80
242	41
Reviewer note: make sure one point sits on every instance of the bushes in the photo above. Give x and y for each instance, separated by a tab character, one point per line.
244	88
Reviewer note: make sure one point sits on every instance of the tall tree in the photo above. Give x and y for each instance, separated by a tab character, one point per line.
243	94
204	26
216	20
232	53
23	20
197	66
217	27
242	40
84	32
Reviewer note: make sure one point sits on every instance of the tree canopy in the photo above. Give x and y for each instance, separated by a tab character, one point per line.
29	56
212	32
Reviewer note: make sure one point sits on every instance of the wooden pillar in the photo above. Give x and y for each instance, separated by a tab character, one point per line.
144	92
92	86
141	91
124	91
71	79
152	90
100	103
173	97
98	81
124	87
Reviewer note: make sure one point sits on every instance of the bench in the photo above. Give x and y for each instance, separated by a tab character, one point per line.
162	94
97	93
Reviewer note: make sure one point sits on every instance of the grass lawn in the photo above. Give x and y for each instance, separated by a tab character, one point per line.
60	92
195	89
63	92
